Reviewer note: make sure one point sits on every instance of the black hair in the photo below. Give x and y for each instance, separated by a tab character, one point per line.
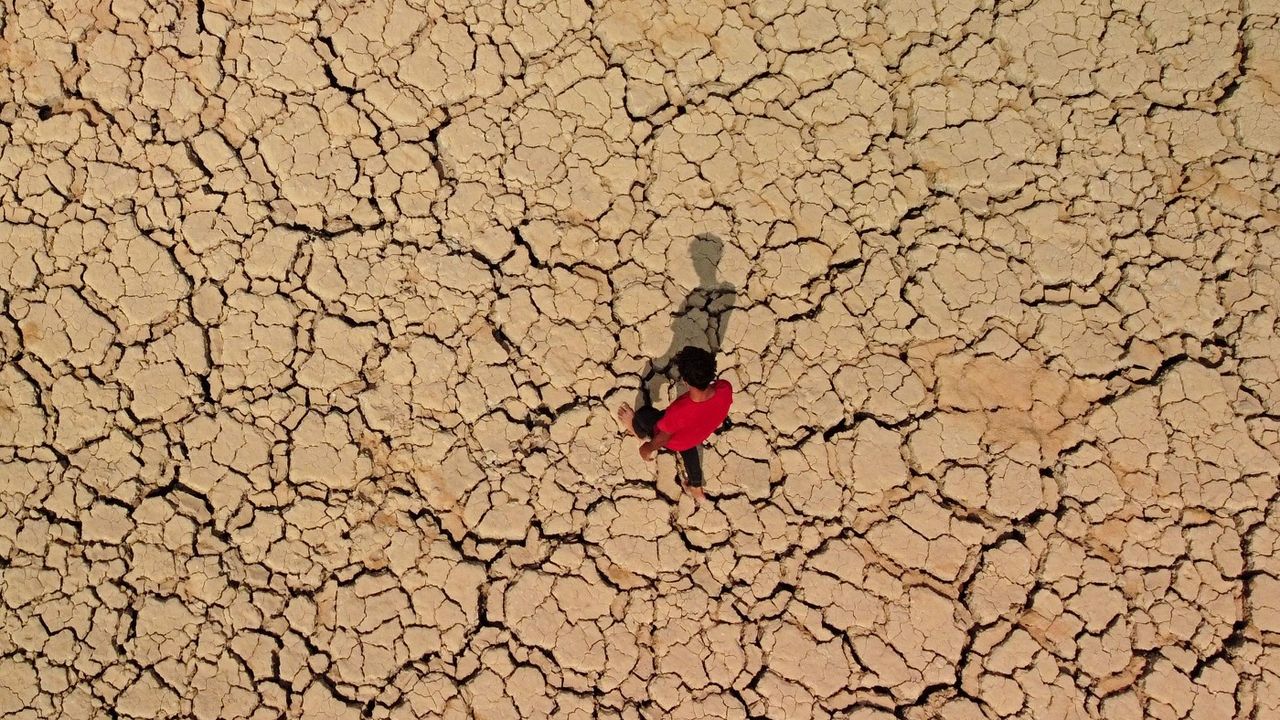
697	366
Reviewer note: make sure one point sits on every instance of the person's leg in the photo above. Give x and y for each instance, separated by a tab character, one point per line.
691	461
641	422
645	421
692	466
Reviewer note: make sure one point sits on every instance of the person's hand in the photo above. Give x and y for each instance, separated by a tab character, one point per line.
646	452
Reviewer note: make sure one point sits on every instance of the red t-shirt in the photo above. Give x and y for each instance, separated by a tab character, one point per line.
689	422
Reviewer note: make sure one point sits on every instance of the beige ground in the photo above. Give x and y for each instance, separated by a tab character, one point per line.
313	317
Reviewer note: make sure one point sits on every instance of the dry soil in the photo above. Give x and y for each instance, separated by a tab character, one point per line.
315	315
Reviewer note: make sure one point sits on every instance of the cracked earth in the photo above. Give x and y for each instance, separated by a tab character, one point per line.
315	315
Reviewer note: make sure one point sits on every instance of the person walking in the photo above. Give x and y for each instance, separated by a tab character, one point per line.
687	422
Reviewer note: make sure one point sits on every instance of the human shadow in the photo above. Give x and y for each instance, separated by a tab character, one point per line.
701	320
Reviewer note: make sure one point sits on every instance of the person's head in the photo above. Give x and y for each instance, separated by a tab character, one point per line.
697	367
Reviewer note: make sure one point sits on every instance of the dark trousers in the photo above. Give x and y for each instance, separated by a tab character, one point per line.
646	423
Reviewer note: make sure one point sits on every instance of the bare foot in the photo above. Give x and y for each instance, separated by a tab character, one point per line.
627	417
695	491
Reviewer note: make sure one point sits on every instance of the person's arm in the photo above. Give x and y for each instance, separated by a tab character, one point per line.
659	441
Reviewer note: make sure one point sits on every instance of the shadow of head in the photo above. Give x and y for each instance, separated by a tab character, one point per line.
705	251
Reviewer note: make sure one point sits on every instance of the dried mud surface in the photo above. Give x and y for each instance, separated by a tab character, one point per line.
315	315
